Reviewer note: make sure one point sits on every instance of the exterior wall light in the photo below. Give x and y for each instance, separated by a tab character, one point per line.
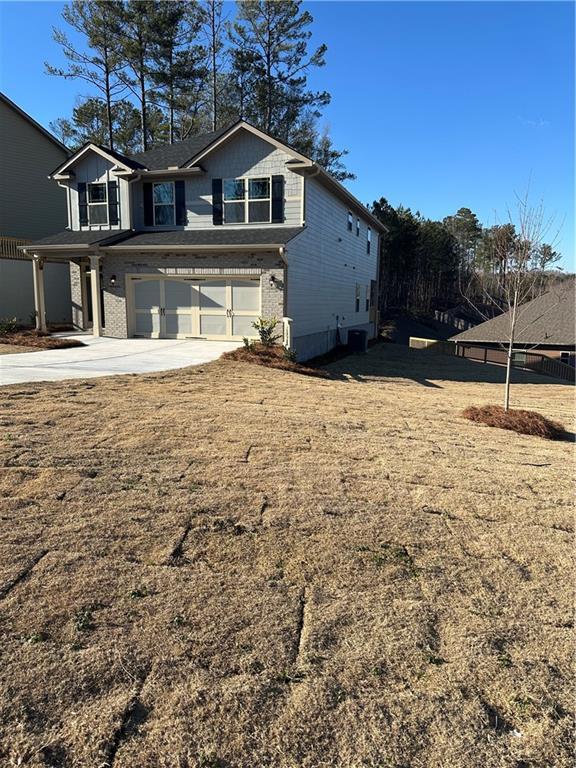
113	280
272	281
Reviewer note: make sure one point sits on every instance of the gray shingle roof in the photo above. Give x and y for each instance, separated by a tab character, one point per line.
549	319
85	238
176	154
216	236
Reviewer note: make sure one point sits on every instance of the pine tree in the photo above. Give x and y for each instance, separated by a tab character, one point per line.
100	65
177	68
275	35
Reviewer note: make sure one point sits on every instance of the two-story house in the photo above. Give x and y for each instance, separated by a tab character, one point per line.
200	238
31	207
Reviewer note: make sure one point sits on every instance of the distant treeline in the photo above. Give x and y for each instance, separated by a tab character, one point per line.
424	264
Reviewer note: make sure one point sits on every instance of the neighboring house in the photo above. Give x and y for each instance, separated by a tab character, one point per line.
200	238
546	324
31	207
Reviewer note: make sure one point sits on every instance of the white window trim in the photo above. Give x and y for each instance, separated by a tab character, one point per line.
357	226
104	203
248	199
350	222
369	240
154	184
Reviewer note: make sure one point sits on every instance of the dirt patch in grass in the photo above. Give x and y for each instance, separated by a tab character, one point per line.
28	341
272	357
228	565
517	420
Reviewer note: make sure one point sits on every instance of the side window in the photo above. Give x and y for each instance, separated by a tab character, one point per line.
234	201
357	308
350	220
368	240
367	298
357	227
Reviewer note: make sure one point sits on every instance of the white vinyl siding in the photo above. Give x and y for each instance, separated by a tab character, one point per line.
325	267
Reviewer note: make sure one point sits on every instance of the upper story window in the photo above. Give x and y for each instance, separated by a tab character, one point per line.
368	240
357	227
97	204
350	221
164	203
247	200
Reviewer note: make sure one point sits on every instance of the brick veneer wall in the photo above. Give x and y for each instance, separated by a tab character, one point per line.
264	265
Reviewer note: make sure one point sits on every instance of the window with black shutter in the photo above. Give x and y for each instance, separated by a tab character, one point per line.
277	199
180	197
148	206
217	203
82	204
113	204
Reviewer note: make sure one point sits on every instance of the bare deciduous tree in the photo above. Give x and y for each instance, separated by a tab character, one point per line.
522	260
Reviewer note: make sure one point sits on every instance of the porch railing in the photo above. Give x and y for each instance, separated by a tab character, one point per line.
9	248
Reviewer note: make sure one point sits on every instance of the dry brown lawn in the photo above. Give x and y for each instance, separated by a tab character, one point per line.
233	567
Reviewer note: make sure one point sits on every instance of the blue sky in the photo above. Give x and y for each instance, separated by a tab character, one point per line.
441	104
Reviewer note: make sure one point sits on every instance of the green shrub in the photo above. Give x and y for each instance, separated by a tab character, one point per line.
265	329
8	325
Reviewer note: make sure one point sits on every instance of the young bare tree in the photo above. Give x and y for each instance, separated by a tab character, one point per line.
523	260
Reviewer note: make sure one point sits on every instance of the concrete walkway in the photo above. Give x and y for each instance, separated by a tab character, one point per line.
109	357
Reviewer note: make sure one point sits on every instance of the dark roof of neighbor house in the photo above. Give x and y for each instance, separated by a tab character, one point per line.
84	239
170	155
212	237
257	236
548	319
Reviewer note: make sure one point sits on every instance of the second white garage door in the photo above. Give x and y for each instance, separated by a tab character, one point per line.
181	307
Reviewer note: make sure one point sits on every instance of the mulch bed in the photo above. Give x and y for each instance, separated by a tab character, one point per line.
272	357
38	340
517	420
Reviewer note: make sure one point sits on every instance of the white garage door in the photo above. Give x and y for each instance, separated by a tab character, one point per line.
180	308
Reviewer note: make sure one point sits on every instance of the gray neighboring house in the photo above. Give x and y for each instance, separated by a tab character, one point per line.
31	207
200	238
546	325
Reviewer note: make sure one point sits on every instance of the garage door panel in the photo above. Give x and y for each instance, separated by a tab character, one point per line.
242	325
246	295
213	295
179	294
146	324
147	294
178	325
213	325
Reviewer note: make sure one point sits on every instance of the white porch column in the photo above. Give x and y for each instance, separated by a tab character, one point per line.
95	286
39	300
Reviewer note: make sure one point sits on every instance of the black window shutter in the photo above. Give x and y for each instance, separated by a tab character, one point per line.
217	205
113	206
148	208
180	198
277	199
82	204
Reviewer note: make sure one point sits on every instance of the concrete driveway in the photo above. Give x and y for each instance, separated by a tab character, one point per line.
109	357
